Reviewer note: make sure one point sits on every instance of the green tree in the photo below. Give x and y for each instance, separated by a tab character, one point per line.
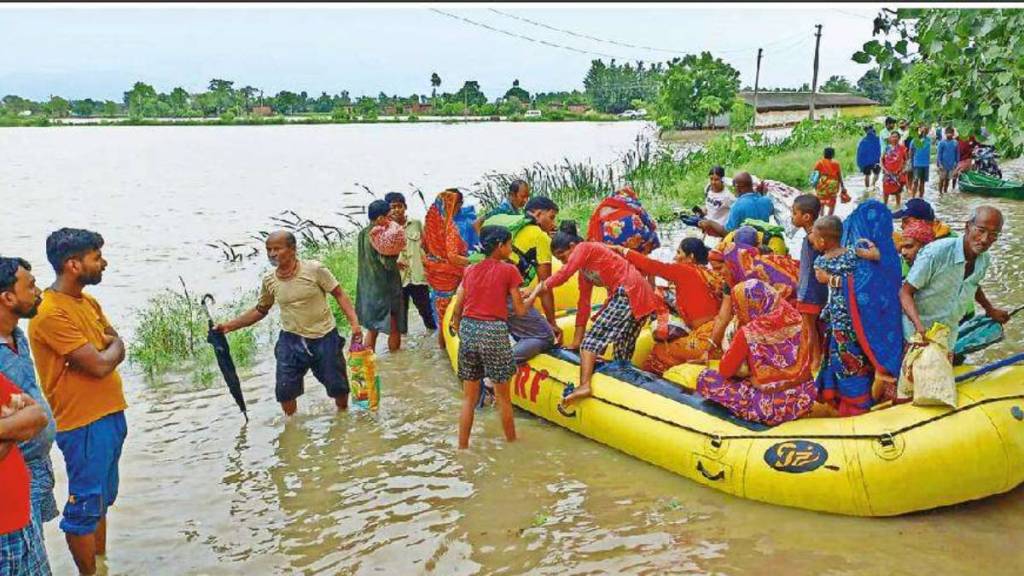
611	87
516	92
870	85
141	100
435	83
470	94
836	84
110	109
179	102
693	88
973	58
57	107
223	94
86	107
741	115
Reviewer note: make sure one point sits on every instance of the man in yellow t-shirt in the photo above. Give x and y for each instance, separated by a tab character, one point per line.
309	338
77	353
534	333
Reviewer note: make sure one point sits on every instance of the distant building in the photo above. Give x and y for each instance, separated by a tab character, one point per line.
578	108
262	111
418	108
785	108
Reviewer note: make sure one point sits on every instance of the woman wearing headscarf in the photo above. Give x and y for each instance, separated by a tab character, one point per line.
764	377
744	261
621	220
915	235
873	349
444	253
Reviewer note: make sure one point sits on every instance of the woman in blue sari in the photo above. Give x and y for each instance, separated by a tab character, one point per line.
872	345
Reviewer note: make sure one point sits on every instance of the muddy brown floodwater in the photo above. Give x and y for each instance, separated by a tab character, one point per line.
388	493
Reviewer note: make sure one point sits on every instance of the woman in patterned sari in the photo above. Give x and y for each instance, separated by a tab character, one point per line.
444	254
764	377
744	261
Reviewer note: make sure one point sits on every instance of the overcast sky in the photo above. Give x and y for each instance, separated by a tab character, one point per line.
80	51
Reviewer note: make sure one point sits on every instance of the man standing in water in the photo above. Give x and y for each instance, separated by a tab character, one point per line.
946	277
410	263
20	298
309	338
77	353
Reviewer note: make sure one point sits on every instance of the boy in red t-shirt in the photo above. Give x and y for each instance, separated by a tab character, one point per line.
21	544
480	317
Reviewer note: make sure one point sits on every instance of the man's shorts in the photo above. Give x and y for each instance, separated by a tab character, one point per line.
296	355
945	173
91	454
921	173
871	169
22	552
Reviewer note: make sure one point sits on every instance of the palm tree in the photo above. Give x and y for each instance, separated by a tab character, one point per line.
435	82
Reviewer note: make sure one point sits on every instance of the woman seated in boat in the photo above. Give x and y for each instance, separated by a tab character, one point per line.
698	296
631	301
864	339
745	261
765	375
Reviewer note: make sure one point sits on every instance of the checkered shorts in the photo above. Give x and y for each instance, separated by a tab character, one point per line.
22	552
485	350
614	324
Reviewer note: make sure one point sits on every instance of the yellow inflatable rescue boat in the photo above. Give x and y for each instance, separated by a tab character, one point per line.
890	461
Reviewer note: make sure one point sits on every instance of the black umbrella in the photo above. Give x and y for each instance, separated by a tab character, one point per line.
223	353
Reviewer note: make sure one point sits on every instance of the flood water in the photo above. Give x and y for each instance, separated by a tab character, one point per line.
388	493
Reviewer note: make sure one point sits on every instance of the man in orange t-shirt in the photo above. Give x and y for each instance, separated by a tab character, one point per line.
21	543
77	353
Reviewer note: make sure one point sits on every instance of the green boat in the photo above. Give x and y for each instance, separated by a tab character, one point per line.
979	183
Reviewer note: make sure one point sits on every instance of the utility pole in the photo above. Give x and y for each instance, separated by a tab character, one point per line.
757	81
814	79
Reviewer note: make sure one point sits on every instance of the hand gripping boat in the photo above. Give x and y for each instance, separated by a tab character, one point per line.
887	462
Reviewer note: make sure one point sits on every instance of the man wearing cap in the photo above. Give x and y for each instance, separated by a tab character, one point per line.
947	274
379	282
410	264
309	337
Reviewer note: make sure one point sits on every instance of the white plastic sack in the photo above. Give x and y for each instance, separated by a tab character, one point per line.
927	374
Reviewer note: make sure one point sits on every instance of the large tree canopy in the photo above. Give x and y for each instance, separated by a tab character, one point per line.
694	89
961	66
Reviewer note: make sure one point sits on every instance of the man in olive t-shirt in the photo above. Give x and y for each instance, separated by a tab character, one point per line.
309	338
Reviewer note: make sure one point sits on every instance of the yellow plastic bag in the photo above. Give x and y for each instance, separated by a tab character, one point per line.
363	380
927	374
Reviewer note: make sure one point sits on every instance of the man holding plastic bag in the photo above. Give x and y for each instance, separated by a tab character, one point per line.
948	270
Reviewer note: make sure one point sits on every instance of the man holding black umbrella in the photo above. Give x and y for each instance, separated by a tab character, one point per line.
309	338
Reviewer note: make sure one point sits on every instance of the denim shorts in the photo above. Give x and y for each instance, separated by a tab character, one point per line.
297	355
91	454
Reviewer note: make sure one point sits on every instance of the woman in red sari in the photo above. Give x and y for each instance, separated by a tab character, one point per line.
894	175
765	375
444	254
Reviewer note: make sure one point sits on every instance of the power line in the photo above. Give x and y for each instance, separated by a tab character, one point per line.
523	37
625	44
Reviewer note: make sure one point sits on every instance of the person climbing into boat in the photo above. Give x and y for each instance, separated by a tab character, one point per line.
531	253
828	184
621	220
915	236
744	261
965	150
945	280
379	303
698	296
765	375
517	196
444	253
894	173
718	199
869	156
811	295
631	301
749	204
947	159
846	375
479	316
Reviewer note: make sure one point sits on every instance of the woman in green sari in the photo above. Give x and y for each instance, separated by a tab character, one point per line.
379	284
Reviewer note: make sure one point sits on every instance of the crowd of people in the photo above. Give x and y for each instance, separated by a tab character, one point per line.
828	330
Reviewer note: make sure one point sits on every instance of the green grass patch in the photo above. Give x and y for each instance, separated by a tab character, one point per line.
171	337
340	259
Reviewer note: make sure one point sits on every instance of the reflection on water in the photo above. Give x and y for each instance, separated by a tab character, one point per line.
360	493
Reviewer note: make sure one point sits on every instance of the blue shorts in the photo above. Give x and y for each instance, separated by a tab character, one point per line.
91	454
297	355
